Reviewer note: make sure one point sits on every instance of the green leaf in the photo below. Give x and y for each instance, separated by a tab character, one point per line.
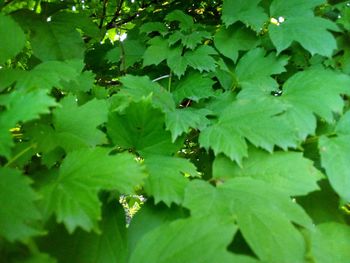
204	200
335	154
289	172
343	125
154	27
229	41
39	257
186	21
11	43
49	74
201	58
18	211
176	62
21	106
155	216
330	243
302	88
44	138
254	68
72	195
56	39
293	9
133	52
36	102
128	52
8	77
137	88
194	86
298	98
247	11
157	52
180	121
114	54
166	181
264	216
78	20
140	128
76	126
256	121
311	32
186	240
81	247
322	206
190	40
82	83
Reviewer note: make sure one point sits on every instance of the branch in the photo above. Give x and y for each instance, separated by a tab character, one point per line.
116	14
6	3
114	23
103	13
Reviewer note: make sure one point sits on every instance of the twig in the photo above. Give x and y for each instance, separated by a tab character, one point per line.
6	3
103	13
114	23
116	15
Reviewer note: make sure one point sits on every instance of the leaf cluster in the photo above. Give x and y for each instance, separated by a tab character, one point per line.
222	127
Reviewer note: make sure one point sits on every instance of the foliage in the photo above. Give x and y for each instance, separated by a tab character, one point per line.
221	127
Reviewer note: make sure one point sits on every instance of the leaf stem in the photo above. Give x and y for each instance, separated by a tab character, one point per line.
169	81
123	65
161	77
17	156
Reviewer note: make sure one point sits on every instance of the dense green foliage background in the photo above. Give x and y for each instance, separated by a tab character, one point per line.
230	117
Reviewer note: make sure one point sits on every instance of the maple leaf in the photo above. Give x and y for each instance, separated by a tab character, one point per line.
247	11
21	106
289	172
157	52
209	238
138	88
295	8
13	43
201	58
254	68
298	97
166	181
301	89
50	74
186	21
190	40
254	120
251	201
335	153
82	83
150	27
140	128
18	211
181	120
330	242
74	125
56	39
128	52
229	41
72	195
194	86
299	24
110	245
